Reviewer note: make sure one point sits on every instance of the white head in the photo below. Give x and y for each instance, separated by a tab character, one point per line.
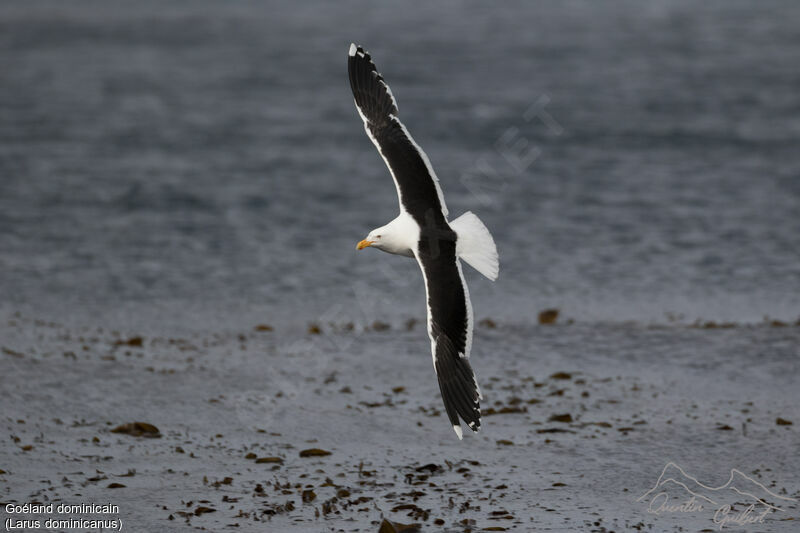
379	238
397	237
386	238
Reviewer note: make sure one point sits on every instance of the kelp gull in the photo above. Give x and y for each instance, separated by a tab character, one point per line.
422	231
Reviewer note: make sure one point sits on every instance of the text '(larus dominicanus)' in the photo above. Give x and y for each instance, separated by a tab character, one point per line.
422	231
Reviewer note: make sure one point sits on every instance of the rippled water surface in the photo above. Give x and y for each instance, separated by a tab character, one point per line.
631	161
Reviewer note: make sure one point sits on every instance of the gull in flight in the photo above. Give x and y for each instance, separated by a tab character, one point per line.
422	231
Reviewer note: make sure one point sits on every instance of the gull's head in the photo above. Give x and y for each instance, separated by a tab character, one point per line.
374	240
393	238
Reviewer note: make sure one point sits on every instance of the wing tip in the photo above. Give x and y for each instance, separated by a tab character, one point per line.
474	426
357	49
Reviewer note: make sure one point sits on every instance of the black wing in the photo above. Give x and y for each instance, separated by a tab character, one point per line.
417	185
450	329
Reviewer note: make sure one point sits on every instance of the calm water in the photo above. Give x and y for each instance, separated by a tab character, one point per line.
631	161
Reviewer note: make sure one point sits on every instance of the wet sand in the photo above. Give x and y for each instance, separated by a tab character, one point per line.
579	422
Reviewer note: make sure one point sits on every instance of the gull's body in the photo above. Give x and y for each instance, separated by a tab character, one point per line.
422	231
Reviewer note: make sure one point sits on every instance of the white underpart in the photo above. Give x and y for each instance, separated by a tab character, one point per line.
475	245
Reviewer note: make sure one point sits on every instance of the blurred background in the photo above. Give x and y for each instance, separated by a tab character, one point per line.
205	162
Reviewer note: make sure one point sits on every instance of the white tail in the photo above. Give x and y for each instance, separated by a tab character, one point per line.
475	245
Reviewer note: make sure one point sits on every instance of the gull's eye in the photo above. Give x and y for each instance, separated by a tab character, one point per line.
377	236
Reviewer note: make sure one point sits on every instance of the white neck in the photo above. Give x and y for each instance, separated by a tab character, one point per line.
400	236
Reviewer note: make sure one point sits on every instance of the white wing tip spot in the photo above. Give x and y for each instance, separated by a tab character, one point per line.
352	51
459	434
